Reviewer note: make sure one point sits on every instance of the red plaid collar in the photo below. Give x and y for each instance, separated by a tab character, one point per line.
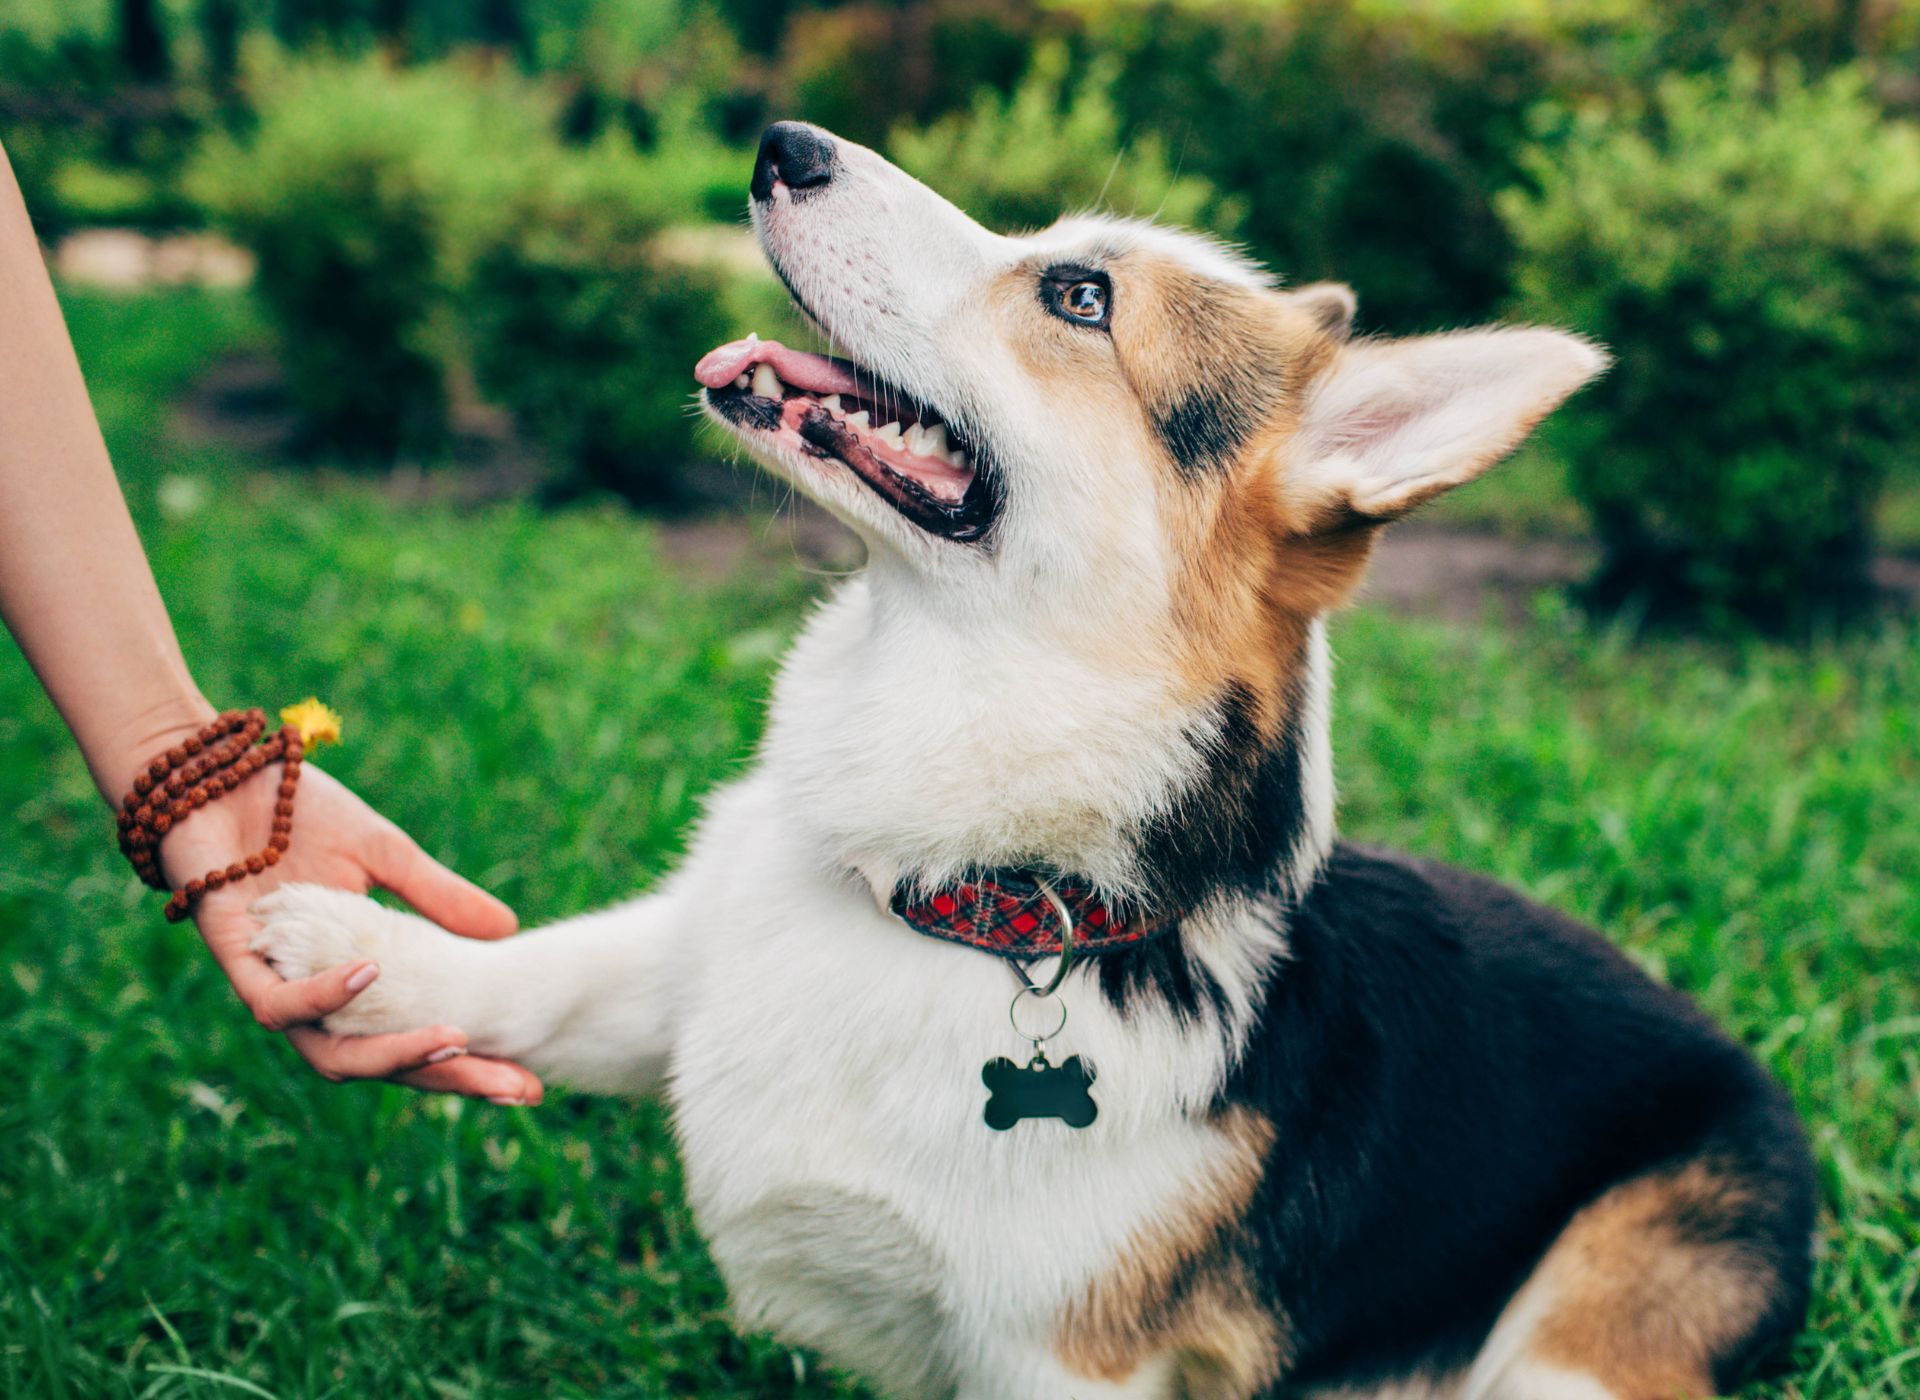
1005	912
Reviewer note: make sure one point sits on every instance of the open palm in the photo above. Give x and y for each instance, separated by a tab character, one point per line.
341	842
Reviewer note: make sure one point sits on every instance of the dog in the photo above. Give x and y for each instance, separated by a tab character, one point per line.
1029	1034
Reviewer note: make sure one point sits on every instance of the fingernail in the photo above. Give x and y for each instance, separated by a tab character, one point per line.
446	1053
506	1101
362	977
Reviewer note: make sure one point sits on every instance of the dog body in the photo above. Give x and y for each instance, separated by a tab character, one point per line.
1365	1126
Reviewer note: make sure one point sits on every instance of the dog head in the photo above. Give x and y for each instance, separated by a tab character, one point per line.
1101	398
1109	475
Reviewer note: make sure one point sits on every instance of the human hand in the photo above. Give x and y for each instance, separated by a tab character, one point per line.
341	842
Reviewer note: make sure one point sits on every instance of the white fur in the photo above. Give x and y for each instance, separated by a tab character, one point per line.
1397	422
951	708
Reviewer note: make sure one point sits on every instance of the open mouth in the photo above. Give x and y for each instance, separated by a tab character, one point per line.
903	450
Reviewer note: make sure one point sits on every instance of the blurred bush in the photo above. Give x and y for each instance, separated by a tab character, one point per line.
365	191
1749	247
1020	161
588	331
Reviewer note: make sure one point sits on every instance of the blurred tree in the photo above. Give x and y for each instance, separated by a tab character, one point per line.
221	24
143	43
861	69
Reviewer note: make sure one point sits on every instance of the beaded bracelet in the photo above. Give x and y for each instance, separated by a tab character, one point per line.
204	768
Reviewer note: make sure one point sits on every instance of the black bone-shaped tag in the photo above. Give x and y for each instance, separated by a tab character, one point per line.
1040	1090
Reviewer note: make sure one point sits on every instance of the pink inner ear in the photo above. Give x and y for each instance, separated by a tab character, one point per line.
1373	423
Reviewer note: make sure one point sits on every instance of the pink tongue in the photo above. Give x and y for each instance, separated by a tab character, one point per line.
816	374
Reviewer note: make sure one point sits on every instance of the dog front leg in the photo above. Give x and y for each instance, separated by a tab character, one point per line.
589	1002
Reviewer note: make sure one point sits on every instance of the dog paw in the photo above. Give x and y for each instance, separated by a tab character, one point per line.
306	929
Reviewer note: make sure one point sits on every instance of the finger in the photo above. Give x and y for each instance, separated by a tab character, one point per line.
451	901
281	1005
478	1077
376	1056
277	1004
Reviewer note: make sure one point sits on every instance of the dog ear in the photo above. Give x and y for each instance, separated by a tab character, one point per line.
1330	304
1391	424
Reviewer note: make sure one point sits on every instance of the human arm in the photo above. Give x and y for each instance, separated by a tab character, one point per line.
79	597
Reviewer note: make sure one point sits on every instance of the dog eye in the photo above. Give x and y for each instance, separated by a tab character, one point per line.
1084	301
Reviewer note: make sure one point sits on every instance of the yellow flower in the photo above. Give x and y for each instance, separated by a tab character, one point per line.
318	724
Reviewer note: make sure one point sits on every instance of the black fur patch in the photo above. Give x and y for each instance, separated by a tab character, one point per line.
1205	431
1159	971
1450	1071
1235	825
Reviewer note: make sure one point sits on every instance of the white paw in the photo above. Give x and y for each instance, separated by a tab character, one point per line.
306	929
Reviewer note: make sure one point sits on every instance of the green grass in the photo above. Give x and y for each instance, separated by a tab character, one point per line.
185	1211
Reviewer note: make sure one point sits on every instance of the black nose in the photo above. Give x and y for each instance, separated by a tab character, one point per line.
797	155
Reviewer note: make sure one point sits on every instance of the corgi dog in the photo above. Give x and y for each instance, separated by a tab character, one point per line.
1028	1032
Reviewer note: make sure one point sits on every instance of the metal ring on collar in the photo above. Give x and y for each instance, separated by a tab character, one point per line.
1066	938
1013	1015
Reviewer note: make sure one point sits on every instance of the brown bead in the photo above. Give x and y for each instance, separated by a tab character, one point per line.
236	871
216	878
288	787
271	855
198	793
195	888
281	823
161	823
157	769
194	745
142	784
283	808
281	840
177	755
255	865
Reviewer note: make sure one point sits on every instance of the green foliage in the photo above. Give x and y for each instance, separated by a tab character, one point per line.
1021	160
1750	248
864	68
1364	138
186	1211
587	331
366	191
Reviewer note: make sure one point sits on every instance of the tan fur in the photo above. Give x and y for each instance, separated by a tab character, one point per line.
1256	557
1180	1293
1644	1297
1254	568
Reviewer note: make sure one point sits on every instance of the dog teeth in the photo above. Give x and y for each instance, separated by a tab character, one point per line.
933	441
858	420
766	383
831	401
742	380
889	434
916	440
958	458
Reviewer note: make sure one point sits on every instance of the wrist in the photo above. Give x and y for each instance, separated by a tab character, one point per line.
124	754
